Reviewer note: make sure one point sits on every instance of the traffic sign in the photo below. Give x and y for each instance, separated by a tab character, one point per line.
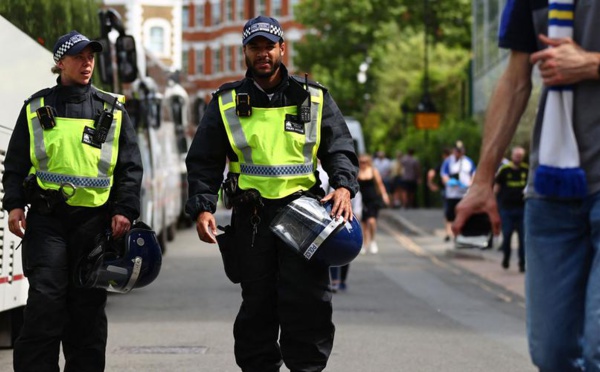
427	120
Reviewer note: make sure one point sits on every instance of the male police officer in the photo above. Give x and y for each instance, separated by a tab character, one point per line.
272	127
73	156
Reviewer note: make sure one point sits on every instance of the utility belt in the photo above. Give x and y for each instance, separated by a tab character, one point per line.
46	201
233	197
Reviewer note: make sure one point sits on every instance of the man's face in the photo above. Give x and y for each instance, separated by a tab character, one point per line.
517	156
263	57
77	69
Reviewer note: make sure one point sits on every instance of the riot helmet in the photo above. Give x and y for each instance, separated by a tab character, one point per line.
306	226
119	265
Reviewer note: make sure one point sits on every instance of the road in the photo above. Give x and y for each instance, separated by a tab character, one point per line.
405	309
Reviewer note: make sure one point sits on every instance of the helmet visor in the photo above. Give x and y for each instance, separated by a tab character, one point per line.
303	225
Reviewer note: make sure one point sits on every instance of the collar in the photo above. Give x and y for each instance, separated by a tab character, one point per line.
72	93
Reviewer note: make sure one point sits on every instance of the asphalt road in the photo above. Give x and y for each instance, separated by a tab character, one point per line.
404	310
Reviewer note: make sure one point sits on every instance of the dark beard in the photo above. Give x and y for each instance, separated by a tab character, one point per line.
263	75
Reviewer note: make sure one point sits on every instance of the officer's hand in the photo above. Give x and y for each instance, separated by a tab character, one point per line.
16	222
342	205
479	199
119	225
206	227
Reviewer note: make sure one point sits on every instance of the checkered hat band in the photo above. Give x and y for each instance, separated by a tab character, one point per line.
264	27
60	52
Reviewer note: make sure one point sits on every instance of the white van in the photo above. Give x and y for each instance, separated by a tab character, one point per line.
357	135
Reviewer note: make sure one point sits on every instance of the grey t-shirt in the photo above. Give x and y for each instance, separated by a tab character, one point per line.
527	19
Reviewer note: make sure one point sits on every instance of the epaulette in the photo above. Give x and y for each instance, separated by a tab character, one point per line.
227	86
302	80
42	93
108	98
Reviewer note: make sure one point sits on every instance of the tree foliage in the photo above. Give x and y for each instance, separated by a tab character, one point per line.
390	34
46	20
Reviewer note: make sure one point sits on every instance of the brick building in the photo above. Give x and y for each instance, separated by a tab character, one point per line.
201	39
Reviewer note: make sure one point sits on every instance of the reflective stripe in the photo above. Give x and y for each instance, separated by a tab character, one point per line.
312	248
276	170
86	182
38	133
106	153
236	128
311	136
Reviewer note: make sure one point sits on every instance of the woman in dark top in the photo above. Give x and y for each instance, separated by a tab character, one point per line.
374	197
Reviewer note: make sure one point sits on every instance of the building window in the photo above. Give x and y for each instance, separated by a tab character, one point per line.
216	13
216	68
241	59
261	7
185	64
239	10
276	8
228	59
157	40
185	17
289	50
157	36
228	10
199	19
292	5
200	62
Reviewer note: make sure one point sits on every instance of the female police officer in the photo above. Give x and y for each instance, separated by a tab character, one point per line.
272	127
75	151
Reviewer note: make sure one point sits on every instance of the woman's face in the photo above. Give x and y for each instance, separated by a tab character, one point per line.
77	69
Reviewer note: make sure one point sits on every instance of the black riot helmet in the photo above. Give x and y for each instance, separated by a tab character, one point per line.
120	265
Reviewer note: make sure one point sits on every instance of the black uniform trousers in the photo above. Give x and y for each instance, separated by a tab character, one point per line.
286	311
56	311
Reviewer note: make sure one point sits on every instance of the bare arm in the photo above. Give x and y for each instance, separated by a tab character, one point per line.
506	106
381	186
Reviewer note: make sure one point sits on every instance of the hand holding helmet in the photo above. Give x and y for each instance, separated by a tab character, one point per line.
119	265
307	227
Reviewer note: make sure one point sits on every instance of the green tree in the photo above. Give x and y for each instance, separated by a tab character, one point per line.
345	32
400	75
46	20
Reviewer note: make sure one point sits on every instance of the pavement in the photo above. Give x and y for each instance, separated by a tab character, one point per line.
422	231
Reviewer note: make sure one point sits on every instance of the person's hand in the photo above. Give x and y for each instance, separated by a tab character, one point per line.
119	225
565	62
206	226
479	199
342	205
386	199
16	222
453	182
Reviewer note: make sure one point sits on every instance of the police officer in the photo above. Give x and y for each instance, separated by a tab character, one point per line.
272	127
73	156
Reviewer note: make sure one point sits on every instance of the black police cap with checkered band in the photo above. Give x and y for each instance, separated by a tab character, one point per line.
262	26
72	44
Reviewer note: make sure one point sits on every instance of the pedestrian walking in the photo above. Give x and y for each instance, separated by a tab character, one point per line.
509	188
272	127
396	174
411	178
73	157
562	196
374	197
456	173
436	185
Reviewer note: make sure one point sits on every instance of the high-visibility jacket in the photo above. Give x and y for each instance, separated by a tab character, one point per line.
60	156
276	156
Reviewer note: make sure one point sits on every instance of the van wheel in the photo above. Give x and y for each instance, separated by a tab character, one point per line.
171	230
162	240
